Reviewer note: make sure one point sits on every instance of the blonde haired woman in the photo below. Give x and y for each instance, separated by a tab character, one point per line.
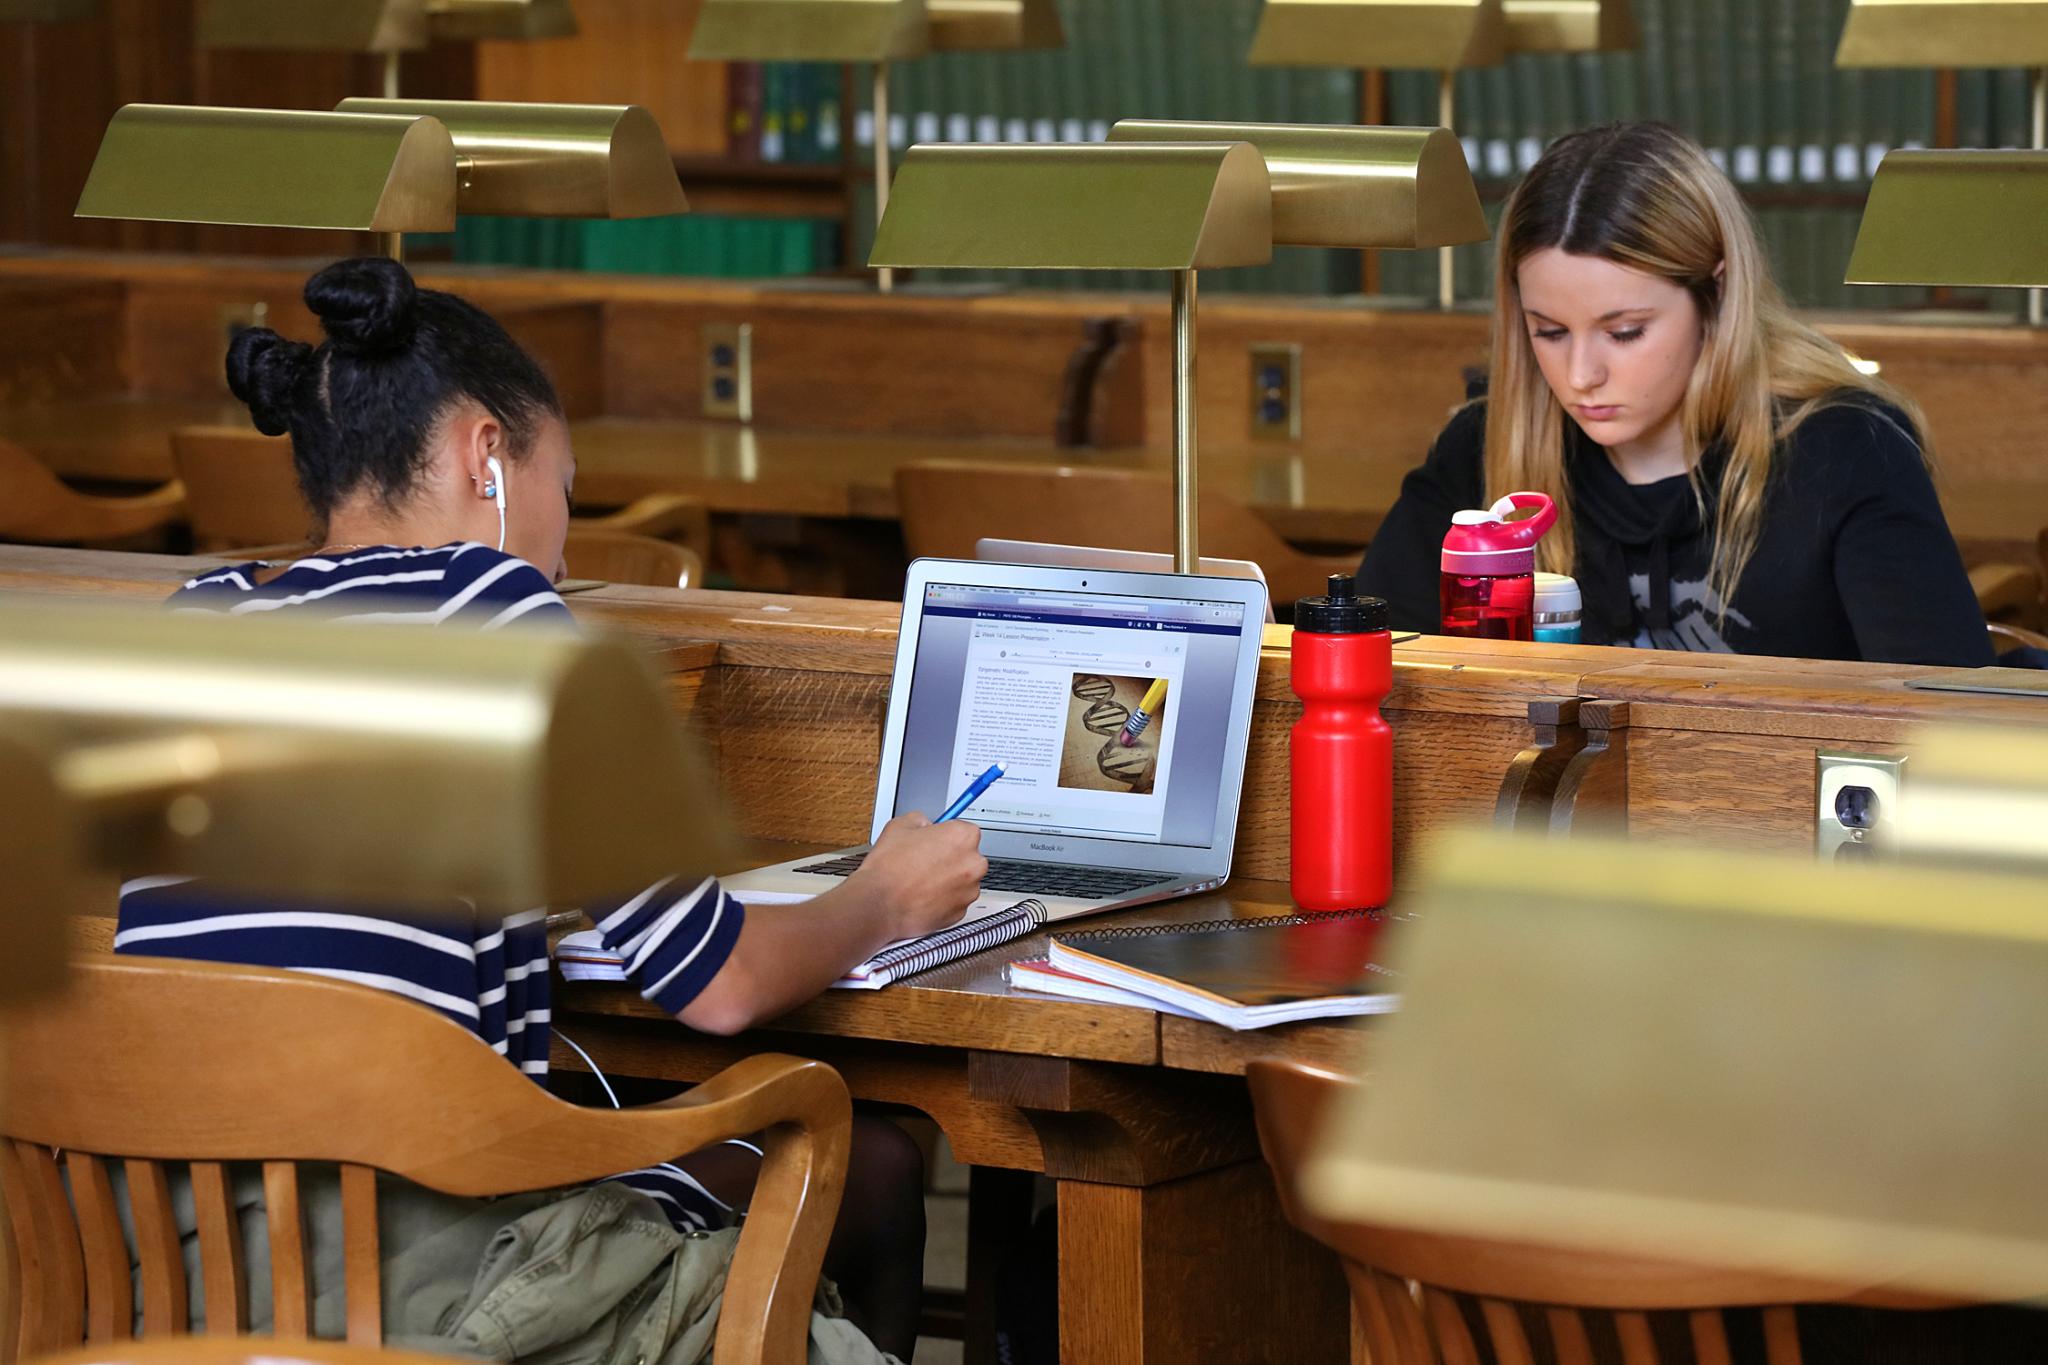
1726	479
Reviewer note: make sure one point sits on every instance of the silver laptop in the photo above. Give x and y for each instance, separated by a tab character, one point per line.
1000	551
1041	669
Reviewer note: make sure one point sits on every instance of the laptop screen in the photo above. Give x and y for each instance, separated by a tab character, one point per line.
1050	685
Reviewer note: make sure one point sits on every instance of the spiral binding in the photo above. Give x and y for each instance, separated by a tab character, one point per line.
962	940
1223	926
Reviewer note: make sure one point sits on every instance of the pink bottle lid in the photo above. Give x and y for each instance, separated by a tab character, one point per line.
1483	543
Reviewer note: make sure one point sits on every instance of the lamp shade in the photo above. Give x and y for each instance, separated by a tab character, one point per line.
387	765
1955	217
550	160
810	30
515	20
273	168
1935	33
1435	35
1078	206
1757	1062
1348	187
315	25
993	25
1570	26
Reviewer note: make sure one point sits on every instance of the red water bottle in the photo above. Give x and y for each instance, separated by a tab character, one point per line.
1341	753
1489	569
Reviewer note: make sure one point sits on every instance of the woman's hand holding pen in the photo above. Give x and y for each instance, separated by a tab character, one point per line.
921	875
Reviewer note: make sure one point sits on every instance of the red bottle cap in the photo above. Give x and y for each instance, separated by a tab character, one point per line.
1482	543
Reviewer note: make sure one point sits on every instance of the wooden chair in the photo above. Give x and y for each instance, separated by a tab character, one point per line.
947	505
241	487
227	1351
1421	1298
38	508
147	1060
615	557
2004	637
243	491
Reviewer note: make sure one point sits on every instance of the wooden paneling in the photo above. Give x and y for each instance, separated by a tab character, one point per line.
625	52
61	337
62	83
568	341
923	367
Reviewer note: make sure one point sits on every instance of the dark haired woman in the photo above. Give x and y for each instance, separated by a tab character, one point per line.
1726	479
433	452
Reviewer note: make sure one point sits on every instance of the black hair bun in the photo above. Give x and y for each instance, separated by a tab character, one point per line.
265	371
368	305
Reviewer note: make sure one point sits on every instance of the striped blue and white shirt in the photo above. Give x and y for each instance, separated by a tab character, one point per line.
490	977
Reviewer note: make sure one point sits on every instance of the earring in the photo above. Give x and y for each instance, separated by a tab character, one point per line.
490	490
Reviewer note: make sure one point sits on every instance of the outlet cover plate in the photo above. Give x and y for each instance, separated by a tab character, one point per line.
1276	391
728	365
1882	775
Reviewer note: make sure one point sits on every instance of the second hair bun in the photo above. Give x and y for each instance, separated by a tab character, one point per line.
368	306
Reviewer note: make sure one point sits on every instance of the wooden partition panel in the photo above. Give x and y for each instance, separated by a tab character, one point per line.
61	338
789	694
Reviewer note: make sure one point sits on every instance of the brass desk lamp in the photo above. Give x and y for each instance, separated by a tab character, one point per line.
1824	1071
382	765
1955	217
875	31
1180	197
1949	33
1435	35
385	27
385	166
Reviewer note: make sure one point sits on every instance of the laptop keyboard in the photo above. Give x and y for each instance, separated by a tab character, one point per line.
1033	879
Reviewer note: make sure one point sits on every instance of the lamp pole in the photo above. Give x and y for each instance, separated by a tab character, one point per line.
1186	521
2038	89
1446	108
885	278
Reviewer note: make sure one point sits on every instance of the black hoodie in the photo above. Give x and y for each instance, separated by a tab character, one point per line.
1854	561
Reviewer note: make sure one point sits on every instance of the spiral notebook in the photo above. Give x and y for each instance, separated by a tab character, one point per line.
1241	973
583	956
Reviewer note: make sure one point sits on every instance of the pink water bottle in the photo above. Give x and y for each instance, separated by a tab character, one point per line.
1489	569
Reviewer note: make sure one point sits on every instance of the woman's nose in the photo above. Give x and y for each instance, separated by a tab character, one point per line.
1586	372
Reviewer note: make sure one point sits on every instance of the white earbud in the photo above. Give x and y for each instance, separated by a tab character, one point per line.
495	488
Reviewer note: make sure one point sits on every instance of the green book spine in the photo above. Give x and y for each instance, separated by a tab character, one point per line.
1850	129
774	111
1817	98
831	117
1715	58
1782	67
1683	58
1746	102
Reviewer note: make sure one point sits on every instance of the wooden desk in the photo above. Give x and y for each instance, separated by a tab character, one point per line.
1171	1245
111	438
741	469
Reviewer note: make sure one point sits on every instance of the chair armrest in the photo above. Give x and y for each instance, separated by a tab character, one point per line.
669	516
2006	590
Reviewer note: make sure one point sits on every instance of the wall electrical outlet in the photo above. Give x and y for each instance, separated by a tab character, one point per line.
1276	391
729	370
1857	808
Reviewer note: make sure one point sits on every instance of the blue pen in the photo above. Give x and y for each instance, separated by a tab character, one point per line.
974	789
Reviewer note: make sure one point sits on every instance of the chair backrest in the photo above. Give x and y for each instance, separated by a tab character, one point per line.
1422	1298
948	505
618	557
240	487
39	508
147	1060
